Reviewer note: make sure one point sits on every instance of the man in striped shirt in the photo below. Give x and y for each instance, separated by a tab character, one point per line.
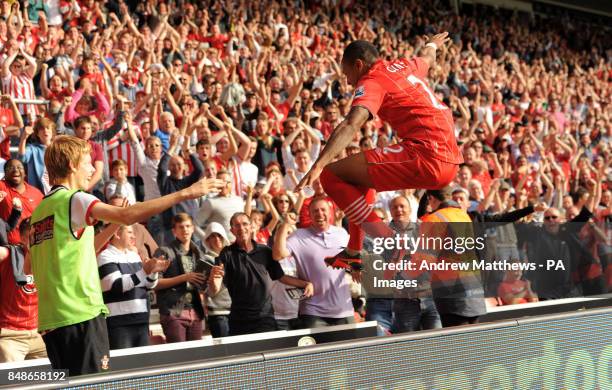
125	279
17	73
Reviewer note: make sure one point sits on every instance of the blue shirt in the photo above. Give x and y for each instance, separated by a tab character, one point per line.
164	138
34	161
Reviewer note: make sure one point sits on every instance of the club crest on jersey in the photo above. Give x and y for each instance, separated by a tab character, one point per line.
359	92
29	287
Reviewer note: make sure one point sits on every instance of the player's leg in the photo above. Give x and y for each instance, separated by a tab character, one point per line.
352	170
348	183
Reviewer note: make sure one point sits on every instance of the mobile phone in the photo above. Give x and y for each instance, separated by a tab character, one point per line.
160	254
295	293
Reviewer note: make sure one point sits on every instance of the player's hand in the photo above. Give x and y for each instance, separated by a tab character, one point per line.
439	39
308	290
204	186
309	178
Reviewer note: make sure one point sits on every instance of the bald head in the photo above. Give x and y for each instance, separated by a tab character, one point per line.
400	209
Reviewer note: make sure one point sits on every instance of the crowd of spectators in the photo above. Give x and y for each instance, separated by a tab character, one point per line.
248	92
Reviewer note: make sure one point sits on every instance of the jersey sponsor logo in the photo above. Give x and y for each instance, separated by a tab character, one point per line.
42	230
360	91
395	67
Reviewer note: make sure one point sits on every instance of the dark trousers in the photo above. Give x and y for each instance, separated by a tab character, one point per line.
291	324
308	321
218	325
456	320
415	314
238	327
128	336
80	348
185	327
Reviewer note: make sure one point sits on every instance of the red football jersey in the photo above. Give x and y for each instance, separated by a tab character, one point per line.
397	93
19	309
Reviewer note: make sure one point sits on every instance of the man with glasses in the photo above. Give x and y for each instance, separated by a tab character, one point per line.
221	208
506	241
556	240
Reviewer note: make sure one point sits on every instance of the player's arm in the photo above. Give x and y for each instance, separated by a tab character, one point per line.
338	141
343	134
141	211
428	53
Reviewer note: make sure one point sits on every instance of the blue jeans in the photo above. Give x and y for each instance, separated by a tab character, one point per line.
415	314
380	310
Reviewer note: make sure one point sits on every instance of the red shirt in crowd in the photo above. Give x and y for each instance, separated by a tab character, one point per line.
513	288
6	119
218	42
97	153
395	90
22	312
30	198
262	236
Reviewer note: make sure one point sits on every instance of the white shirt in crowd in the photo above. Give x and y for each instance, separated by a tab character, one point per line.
219	209
147	169
285	307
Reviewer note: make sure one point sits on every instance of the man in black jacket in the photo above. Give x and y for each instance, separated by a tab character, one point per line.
484	221
247	268
557	240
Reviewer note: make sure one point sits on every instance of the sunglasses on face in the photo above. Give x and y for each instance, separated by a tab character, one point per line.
549	217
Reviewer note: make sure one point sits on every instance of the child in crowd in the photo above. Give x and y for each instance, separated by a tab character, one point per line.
33	154
118	184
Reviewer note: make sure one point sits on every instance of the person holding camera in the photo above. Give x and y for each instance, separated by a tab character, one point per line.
178	290
125	280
